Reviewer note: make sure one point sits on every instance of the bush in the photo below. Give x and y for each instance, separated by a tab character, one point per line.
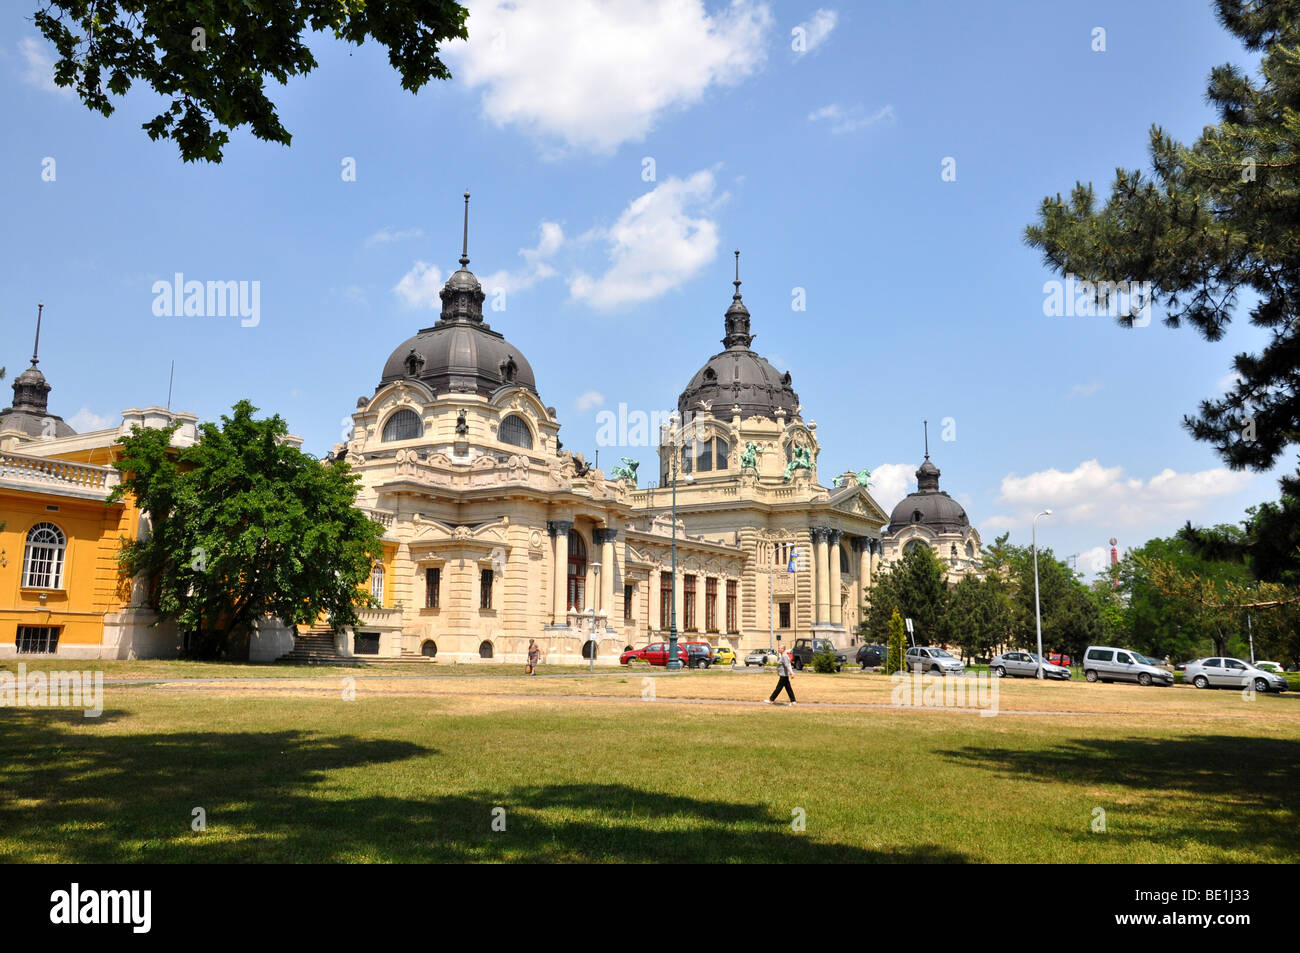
825	662
897	659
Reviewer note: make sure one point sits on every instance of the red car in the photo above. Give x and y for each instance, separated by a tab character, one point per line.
1056	658
656	654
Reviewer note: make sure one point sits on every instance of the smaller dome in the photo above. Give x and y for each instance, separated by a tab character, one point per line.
929	506
30	412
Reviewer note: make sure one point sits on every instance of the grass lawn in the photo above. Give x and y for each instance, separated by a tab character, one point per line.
411	770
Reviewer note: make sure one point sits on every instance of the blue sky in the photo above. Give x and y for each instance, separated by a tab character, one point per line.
823	166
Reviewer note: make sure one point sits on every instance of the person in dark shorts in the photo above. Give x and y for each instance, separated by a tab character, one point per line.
534	656
782	670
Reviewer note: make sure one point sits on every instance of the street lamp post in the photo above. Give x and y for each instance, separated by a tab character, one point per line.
674	663
595	571
1038	615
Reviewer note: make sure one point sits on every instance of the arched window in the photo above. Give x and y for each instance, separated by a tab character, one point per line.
43	558
377	583
844	561
485	649
724	449
970	551
516	433
913	545
577	572
403	425
429	649
589	649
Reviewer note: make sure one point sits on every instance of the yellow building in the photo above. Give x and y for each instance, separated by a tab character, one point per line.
60	590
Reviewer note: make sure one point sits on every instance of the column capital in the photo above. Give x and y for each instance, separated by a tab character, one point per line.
559	527
605	535
858	543
833	535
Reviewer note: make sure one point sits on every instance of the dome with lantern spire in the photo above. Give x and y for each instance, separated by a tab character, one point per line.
460	353
30	412
739	376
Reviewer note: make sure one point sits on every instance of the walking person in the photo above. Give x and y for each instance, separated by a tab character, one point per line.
782	670
534	656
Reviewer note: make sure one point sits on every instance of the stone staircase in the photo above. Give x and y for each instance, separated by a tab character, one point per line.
315	646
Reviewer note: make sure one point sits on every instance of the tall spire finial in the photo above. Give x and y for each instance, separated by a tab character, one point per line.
464	245
36	348
926	425
737	281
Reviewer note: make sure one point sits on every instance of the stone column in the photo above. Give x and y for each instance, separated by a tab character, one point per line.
605	539
821	577
559	529
836	602
862	547
654	600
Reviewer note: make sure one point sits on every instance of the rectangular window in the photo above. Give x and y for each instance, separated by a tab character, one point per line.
688	601
627	603
665	599
485	589
432	588
784	621
711	605
365	643
732	619
704	456
38	639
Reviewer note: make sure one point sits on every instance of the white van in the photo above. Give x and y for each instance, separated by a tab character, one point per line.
1106	663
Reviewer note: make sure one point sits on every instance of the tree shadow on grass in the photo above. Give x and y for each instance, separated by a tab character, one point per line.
294	796
1215	791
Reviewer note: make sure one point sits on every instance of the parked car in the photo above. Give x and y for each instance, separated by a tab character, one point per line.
656	654
1232	673
870	656
761	657
805	649
700	654
1025	665
724	655
1274	667
1059	658
1106	663
933	660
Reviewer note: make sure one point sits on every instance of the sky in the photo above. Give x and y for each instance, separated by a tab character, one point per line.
875	164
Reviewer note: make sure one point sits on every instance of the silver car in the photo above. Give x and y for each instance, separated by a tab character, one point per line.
933	661
1025	665
1232	673
760	657
1107	663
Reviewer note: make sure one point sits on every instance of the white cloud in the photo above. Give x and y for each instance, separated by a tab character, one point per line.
1085	390
551	240
85	420
38	68
419	287
594	74
817	28
1229	382
844	120
890	482
1092	561
387	235
1108	499
663	238
593	398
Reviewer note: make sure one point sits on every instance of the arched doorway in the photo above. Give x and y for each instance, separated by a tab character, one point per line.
485	649
589	649
577	572
429	649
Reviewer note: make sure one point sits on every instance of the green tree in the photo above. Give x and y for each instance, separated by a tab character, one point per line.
896	642
916	586
977	617
212	58
1217	219
244	525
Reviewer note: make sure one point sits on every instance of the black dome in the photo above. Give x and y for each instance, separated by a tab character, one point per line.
738	375
460	354
929	506
30	411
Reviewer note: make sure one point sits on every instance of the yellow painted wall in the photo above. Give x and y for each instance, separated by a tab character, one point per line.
90	585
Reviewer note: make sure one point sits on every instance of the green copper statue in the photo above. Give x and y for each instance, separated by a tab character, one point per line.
749	459
802	460
626	470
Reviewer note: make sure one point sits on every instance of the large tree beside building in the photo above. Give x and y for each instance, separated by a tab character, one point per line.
1214	227
244	525
212	58
914	585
